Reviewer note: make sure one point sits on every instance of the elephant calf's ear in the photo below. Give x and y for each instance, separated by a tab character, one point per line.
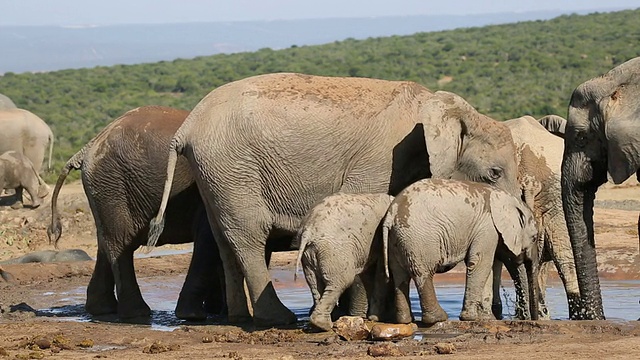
508	219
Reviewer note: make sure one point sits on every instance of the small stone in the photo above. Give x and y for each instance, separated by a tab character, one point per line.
392	331
384	349
351	328
43	343
444	348
207	339
329	340
36	355
3	351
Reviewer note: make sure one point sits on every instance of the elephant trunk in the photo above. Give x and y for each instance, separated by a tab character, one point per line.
531	266
578	193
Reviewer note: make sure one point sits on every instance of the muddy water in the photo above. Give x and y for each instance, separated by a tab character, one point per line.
620	300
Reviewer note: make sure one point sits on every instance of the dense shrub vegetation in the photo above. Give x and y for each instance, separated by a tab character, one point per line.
505	71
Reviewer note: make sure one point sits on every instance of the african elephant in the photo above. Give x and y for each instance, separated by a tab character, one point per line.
339	240
17	172
266	148
6	103
26	133
602	135
539	155
122	175
46	256
434	224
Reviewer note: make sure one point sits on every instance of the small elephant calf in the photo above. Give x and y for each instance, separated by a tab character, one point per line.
338	240
17	172
432	225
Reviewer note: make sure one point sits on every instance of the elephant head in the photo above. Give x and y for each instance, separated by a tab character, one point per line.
602	134
465	145
518	231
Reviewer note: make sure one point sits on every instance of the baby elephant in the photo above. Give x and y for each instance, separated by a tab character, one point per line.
17	172
336	240
432	225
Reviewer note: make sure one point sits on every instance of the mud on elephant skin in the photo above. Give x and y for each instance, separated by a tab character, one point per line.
339	241
123	170
17	172
602	136
265	149
434	224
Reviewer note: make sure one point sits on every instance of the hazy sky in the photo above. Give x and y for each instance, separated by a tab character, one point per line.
102	12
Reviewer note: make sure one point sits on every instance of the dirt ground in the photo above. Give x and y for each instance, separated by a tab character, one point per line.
29	335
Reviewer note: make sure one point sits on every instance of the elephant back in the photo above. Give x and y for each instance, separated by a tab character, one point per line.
6	103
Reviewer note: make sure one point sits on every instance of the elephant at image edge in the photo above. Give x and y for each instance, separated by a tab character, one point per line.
434	224
539	154
602	135
26	133
122	174
17	172
339	241
266	148
6	103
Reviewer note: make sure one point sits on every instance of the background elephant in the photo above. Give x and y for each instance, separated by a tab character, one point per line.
602	134
6	103
17	172
46	256
122	174
539	155
266	148
434	224
26	133
339	241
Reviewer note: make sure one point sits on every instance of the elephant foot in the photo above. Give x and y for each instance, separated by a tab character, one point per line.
43	190
496	310
239	319
129	312
273	314
574	302
192	311
404	317
432	318
103	307
17	205
290	318
321	322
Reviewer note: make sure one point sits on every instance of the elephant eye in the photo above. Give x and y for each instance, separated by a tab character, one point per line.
581	139
495	173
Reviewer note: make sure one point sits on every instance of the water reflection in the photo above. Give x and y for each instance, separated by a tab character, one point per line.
620	300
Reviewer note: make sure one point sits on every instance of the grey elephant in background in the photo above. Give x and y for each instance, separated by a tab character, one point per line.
339	240
6	103
434	224
122	175
602	135
539	155
17	172
47	256
26	133
266	148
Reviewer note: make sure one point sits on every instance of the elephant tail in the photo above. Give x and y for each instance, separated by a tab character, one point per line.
54	231
303	240
387	223
156	226
51	138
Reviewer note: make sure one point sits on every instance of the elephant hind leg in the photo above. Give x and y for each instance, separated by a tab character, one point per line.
17	204
432	312
321	316
101	299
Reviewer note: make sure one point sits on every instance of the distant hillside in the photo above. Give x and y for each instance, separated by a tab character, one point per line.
48	48
505	71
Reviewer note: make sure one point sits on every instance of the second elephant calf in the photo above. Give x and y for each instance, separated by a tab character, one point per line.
338	240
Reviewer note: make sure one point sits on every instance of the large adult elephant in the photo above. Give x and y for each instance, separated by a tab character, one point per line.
123	168
26	133
265	149
602	134
539	153
6	103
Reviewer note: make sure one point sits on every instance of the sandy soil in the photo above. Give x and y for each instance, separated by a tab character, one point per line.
25	335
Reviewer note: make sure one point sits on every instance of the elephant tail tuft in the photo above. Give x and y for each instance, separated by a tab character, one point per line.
387	223
156	226
54	231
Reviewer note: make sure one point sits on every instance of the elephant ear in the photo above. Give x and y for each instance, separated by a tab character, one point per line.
554	124
443	131
509	219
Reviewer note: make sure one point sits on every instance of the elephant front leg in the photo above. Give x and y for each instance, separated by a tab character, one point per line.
130	301
101	299
478	271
